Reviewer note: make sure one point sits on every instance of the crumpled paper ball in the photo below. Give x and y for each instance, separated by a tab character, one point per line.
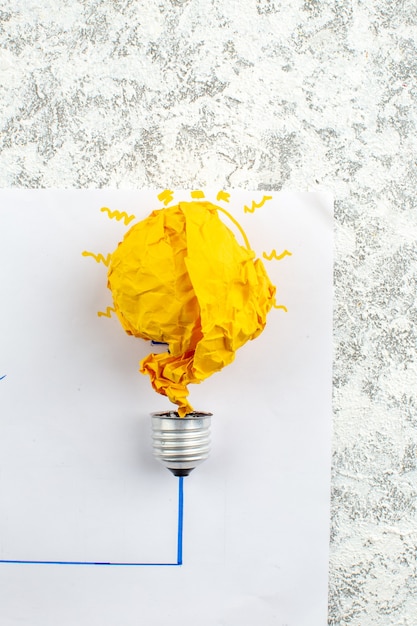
180	277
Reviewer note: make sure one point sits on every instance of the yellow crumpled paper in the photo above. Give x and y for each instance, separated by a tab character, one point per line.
180	277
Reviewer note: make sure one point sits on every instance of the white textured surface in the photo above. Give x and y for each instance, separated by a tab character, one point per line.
261	94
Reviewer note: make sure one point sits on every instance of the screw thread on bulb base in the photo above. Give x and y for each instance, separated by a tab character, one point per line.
181	443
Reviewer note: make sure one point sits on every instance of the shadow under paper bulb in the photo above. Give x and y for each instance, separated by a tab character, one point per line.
180	277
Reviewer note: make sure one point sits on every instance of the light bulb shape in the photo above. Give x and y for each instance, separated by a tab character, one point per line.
180	277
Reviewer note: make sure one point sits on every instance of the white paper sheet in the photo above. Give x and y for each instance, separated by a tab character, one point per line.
77	478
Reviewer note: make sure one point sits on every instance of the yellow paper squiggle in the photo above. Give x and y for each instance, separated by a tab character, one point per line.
107	313
256	205
118	215
274	255
99	258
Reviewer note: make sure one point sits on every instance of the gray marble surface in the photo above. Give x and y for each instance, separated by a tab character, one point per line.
261	94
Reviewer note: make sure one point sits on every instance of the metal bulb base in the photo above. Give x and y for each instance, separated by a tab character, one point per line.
181	443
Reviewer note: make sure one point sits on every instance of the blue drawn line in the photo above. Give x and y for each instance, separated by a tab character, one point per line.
123	564
1	377
88	563
180	518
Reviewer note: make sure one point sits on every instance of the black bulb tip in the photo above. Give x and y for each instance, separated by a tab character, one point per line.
180	472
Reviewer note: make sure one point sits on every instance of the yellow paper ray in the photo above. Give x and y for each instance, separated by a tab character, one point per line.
256	205
273	255
118	215
279	306
223	195
99	258
166	196
107	313
197	194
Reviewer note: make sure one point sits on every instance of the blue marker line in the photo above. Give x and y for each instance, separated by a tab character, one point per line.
1	377
122	564
180	518
87	563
